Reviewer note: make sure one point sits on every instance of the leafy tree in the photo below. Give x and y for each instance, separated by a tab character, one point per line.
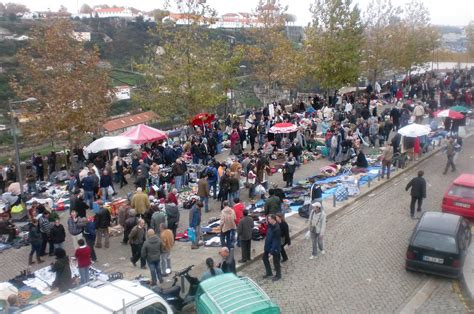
275	61
85	9
15	8
182	73
381	28
334	42
416	38
70	88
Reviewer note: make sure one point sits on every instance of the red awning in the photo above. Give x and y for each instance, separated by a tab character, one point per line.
142	134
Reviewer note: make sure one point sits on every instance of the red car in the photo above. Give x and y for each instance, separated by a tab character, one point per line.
459	199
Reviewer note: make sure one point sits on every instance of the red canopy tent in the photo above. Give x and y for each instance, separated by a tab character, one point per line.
142	134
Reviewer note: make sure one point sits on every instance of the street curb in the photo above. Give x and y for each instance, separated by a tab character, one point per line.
294	235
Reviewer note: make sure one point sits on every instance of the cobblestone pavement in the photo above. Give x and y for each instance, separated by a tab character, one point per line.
363	268
116	258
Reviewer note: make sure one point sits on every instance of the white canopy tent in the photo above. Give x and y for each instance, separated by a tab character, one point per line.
108	143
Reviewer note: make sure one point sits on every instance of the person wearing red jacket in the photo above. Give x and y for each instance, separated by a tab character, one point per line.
83	259
239	213
238	209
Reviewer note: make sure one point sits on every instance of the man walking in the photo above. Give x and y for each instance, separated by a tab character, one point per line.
450	152
195	222
317	228
272	246
136	239
102	224
151	252
418	192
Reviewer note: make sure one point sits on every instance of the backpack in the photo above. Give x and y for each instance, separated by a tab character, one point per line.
303	211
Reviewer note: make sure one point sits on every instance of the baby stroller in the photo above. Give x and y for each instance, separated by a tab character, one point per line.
399	160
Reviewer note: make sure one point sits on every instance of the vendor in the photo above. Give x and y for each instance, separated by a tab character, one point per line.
63	271
361	161
7	227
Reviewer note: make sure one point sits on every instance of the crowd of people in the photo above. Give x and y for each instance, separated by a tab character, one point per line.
340	126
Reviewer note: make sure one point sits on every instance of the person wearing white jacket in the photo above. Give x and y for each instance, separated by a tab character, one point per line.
317	228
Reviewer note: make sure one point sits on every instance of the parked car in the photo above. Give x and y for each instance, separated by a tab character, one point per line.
459	198
438	244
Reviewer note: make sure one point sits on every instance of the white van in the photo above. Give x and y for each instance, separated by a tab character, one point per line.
97	297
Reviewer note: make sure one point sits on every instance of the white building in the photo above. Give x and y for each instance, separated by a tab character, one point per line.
122	92
82	36
113	12
236	20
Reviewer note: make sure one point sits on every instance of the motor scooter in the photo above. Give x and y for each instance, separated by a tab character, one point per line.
172	294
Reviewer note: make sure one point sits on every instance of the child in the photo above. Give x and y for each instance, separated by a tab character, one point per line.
83	258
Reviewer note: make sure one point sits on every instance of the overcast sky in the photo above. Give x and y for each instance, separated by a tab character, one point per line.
446	12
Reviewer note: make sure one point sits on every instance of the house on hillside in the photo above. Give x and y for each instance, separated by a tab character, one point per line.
236	20
5	33
122	124
82	36
122	92
113	12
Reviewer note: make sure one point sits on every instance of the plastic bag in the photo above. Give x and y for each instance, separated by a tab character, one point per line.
307	235
110	190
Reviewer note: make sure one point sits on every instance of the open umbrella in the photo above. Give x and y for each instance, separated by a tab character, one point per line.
109	142
448	113
202	119
283	128
460	108
142	133
414	130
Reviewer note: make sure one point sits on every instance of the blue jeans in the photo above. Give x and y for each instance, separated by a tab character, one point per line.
219	148
178	181
205	201
195	159
226	239
213	186
233	195
105	194
155	271
58	245
84	273
31	187
89	198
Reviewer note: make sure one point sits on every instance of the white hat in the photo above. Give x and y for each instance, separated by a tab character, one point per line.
316	204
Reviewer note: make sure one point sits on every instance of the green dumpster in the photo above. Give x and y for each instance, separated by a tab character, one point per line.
230	294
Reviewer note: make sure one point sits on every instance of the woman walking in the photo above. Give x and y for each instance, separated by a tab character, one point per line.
285	235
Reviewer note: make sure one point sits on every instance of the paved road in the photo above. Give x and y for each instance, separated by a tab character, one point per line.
363	269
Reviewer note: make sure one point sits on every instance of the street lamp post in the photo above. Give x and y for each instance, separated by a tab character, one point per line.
15	139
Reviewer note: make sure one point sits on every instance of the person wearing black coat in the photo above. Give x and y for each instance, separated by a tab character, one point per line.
102	224
62	269
57	234
418	192
285	235
252	136
272	246
35	240
244	230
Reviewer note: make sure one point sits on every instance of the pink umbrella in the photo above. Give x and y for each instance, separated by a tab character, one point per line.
142	134
283	128
448	113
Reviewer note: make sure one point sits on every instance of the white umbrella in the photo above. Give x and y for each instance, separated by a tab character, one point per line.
109	142
415	130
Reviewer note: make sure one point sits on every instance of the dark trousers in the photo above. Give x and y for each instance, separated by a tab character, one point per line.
412	204
35	248
46	240
155	271
450	163
173	227
245	246
137	254
276	264
90	240
289	179
284	256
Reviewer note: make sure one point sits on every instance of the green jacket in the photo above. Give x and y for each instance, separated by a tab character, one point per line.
272	205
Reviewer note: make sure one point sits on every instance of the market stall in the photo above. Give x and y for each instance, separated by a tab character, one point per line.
142	134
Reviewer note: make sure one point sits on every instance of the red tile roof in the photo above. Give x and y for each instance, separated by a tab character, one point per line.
128	121
111	10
